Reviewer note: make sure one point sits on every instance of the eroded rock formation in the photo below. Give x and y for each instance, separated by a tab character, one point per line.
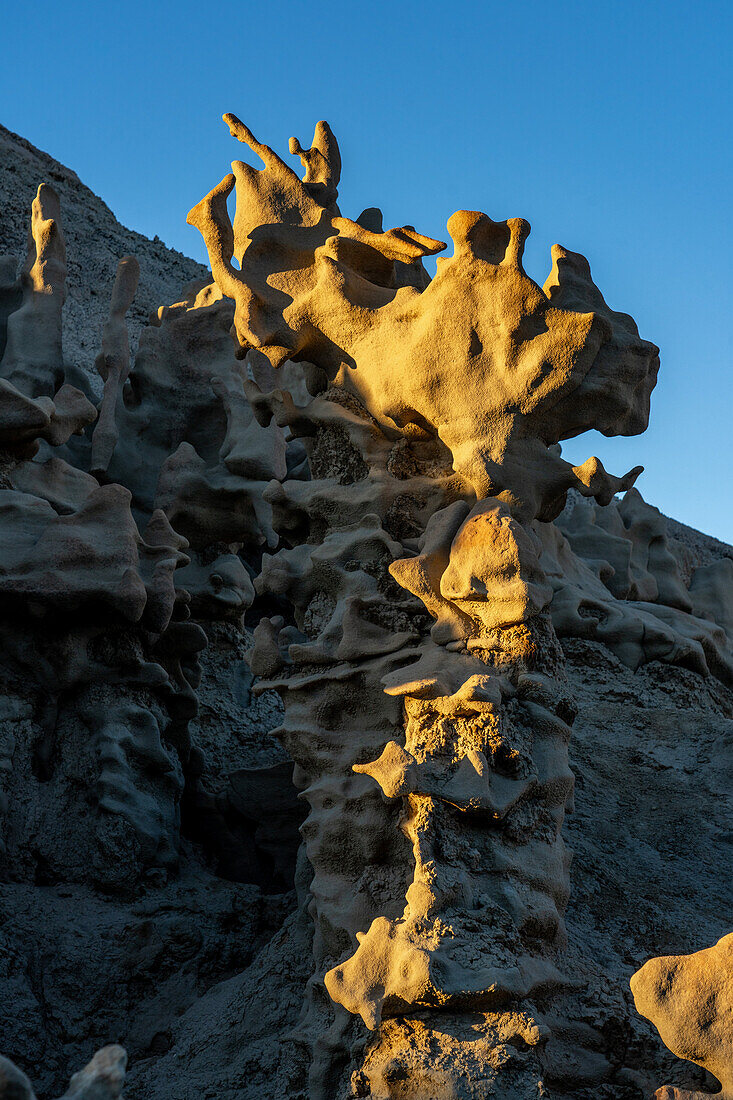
689	999
101	787
96	653
102	1079
436	474
95	242
371	473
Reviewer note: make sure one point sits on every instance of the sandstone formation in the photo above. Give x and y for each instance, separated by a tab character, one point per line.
463	450
332	581
690	1001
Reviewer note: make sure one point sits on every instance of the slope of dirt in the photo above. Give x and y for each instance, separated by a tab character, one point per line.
95	243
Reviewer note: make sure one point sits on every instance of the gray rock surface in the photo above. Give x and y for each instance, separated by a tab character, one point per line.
95	243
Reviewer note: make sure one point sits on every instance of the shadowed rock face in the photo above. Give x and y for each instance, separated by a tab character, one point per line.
101	684
337	561
102	1079
95	241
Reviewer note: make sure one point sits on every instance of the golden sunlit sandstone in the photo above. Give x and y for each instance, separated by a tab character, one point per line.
689	999
475	375
296	622
526	371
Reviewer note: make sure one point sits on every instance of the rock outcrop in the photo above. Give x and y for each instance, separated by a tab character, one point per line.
102	1079
96	243
295	629
689	999
430	477
102	789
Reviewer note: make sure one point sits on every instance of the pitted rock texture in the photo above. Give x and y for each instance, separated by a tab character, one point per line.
101	1079
432	439
291	653
689	998
649	752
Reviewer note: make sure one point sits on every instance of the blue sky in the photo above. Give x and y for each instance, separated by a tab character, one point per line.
606	125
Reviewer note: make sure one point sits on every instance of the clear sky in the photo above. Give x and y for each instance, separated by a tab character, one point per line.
606	125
